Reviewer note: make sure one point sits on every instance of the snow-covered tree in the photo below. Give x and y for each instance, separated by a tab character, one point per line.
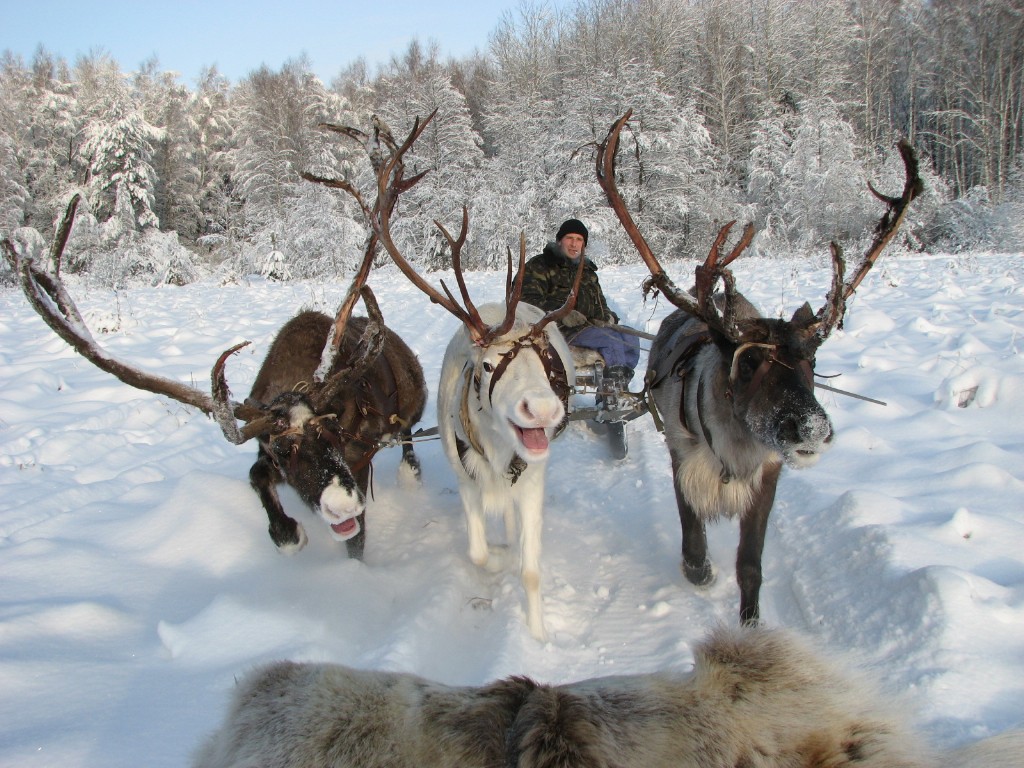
277	139
119	149
450	150
14	194
771	146
212	123
824	189
165	102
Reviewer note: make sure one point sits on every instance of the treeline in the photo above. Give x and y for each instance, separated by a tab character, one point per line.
772	111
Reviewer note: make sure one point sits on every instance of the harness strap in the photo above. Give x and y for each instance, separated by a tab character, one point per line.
725	475
516	467
464	413
680	364
554	368
685	343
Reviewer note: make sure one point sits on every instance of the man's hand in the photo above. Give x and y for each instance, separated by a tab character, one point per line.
574	319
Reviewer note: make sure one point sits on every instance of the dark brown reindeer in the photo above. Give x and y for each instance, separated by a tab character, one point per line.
329	395
735	389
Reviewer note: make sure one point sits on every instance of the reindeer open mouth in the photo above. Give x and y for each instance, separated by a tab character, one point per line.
340	507
807	454
346	529
533	439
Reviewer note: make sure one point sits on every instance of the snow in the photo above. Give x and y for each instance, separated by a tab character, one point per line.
138	579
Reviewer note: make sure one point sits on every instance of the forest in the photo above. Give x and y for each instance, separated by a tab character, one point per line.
778	112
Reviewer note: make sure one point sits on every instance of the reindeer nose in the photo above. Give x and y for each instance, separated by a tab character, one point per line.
805	428
541	408
789	430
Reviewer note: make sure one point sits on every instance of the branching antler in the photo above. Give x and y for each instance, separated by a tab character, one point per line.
51	300
701	304
391	183
366	351
831	314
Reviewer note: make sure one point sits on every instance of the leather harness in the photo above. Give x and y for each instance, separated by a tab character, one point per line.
685	343
374	402
554	369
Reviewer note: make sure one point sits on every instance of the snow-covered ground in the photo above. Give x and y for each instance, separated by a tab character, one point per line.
137	579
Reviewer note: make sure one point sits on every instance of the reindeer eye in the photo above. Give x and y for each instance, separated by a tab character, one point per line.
488	368
748	363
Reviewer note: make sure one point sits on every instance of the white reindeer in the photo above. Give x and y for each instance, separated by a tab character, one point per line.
499	405
504	388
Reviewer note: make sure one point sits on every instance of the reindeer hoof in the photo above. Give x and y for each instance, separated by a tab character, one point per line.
539	633
290	542
355	546
410	476
699	575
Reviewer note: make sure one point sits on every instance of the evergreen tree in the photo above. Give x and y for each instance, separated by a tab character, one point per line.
119	149
164	103
212	122
277	139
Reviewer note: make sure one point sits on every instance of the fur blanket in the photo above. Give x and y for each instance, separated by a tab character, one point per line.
756	698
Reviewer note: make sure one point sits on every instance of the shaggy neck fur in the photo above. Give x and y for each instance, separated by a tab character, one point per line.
723	477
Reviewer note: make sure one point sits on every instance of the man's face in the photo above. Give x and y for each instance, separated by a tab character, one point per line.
572	244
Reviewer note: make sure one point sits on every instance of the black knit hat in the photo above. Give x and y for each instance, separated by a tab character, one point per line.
575	227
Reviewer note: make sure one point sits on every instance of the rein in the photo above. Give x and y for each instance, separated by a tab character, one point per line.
336	438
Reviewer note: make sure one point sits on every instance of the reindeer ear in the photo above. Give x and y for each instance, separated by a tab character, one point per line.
803	316
805	325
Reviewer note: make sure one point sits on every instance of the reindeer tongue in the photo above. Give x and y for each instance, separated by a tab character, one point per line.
346	529
534	438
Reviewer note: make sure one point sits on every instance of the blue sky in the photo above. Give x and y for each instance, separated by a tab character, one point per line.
236	36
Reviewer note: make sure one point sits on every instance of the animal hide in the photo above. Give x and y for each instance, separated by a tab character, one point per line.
756	698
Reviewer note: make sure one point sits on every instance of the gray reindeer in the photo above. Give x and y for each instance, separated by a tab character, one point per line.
755	698
735	389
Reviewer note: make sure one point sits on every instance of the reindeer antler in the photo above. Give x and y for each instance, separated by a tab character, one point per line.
366	351
702	305
51	300
831	314
389	169
708	274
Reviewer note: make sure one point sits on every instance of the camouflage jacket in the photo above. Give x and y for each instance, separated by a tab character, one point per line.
547	280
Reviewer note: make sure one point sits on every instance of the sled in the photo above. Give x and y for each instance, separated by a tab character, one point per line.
602	403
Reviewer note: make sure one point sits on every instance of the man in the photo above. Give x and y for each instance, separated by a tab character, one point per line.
547	280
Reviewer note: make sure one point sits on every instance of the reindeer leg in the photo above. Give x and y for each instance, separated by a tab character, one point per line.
476	523
753	526
696	564
531	514
287	534
410	470
357	544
